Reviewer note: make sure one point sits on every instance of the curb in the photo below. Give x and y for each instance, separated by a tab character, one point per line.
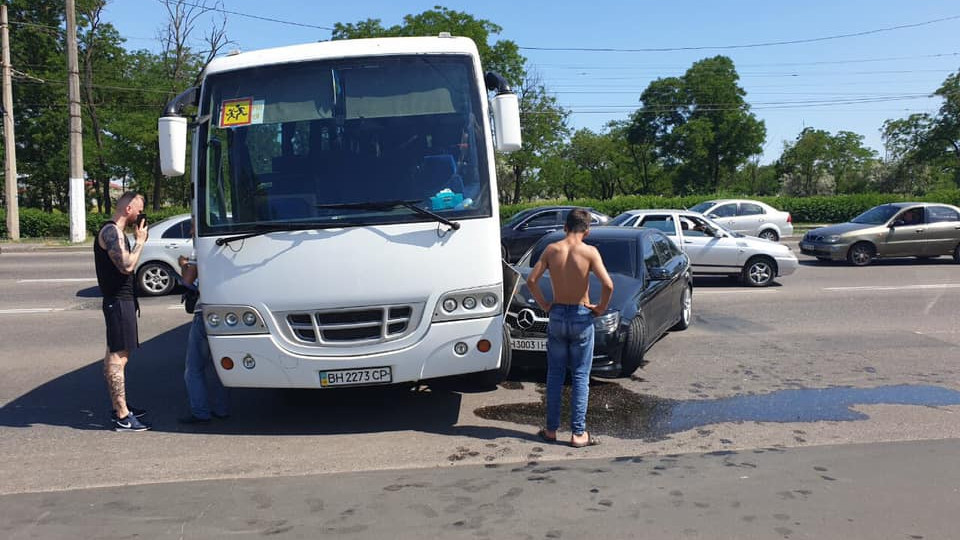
41	248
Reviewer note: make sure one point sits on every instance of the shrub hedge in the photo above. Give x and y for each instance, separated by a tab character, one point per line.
820	209
36	223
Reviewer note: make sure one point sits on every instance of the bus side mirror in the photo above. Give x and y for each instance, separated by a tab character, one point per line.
506	122
173	145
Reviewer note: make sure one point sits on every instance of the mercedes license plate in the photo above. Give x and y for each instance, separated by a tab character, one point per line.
529	344
350	377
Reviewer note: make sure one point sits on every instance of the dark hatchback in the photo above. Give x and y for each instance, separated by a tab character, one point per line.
652	294
526	227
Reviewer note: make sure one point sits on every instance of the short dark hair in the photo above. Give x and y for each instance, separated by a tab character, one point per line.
578	220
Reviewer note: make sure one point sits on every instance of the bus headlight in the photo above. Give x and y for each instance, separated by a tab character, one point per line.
224	320
464	304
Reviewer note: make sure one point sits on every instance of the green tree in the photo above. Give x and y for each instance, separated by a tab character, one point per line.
544	125
700	124
601	159
502	56
928	146
803	165
38	56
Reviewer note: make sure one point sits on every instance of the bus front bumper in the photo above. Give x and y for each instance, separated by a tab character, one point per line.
259	362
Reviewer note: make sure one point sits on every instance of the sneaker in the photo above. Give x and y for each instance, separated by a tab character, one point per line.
221	416
191	419
137	413
130	423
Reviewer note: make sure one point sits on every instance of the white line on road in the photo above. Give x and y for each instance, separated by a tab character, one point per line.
895	287
55	280
699	291
28	310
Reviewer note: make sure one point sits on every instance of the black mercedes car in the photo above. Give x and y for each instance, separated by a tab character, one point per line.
527	226
652	293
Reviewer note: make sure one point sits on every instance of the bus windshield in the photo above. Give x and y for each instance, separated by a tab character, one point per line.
312	143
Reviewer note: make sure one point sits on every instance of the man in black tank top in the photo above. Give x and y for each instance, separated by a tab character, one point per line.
115	263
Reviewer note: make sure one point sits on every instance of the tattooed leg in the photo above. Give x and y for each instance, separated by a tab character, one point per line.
113	364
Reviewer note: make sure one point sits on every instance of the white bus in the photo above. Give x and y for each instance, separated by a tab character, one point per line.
347	219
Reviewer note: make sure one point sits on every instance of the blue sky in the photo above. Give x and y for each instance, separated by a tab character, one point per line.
850	83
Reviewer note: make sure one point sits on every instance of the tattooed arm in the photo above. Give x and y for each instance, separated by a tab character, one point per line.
116	247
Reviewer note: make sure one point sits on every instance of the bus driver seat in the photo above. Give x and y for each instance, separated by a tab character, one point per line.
440	172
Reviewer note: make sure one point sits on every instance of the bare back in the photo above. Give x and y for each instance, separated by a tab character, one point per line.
570	264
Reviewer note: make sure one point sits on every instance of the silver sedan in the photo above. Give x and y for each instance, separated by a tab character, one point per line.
713	250
753	218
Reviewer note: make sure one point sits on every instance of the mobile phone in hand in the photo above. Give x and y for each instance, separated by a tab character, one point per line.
141	219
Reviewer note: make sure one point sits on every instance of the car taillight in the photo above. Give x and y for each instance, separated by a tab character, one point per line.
789	218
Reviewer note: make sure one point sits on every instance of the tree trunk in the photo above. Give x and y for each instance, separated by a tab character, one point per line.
517	173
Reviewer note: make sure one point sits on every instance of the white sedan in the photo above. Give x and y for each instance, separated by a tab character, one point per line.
158	271
713	250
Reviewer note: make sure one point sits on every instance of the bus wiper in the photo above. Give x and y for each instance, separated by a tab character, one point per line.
265	228
389	205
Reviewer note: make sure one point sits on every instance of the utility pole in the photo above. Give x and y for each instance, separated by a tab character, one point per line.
9	143
78	210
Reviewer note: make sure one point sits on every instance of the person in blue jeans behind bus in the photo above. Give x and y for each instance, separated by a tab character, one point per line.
199	361
570	330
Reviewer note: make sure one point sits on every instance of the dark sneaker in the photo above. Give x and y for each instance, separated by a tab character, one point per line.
221	416
138	413
191	419
130	423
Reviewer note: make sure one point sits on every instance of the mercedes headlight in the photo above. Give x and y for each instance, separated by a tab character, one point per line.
607	322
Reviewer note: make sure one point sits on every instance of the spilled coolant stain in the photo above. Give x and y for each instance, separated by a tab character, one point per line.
613	410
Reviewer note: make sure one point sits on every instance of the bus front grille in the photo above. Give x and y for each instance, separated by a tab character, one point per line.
353	326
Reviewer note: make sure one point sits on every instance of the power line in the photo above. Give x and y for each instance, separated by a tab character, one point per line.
950	55
745	46
249	16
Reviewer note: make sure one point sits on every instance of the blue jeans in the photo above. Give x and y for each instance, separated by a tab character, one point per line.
569	346
198	362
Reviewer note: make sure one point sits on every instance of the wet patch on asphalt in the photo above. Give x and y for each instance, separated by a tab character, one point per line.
618	412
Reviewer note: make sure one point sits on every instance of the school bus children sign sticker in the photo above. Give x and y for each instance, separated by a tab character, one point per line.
240	112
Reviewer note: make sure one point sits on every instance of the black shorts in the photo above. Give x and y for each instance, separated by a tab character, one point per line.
120	314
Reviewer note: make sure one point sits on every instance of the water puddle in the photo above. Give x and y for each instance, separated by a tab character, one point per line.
615	411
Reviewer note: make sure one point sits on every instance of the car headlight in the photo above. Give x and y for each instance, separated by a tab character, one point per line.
607	322
832	239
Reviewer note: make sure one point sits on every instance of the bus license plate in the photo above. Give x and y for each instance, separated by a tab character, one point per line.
349	377
529	344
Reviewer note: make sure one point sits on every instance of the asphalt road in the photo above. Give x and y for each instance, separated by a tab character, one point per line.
829	368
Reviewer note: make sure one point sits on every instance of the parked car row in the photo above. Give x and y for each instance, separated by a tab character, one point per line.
714	250
651	255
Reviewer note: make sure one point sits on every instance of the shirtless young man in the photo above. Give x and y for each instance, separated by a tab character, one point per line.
115	263
570	330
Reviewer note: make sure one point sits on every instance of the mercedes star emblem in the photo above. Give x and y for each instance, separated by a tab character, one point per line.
526	318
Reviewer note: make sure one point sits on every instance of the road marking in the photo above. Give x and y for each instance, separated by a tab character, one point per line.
56	280
699	291
895	287
28	310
